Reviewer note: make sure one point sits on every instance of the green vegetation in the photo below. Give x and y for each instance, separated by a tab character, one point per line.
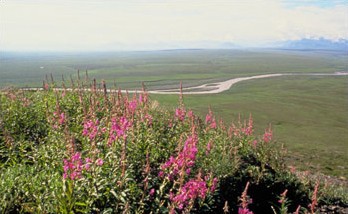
309	115
162	69
89	152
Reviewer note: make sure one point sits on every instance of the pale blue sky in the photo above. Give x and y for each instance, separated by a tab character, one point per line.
317	3
158	24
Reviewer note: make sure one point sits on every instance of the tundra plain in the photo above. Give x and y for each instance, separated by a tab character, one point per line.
308	114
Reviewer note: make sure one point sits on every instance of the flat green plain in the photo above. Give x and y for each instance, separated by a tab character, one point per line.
309	114
163	69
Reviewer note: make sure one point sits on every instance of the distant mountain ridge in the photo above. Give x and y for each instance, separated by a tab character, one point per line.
316	44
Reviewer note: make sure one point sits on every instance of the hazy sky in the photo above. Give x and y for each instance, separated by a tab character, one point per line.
108	24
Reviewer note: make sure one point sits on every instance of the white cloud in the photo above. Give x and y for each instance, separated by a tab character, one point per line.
99	24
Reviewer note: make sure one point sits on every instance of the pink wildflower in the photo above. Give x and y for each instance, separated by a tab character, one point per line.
188	171
282	197
180	113
141	98
62	118
152	192
213	185
190	114
244	211
46	86
254	143
88	163
73	167
99	162
132	106
298	209
213	125
248	129
314	203
118	129
192	190
90	129
267	136
245	201
185	159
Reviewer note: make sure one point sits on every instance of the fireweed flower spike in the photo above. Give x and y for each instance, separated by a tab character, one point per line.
90	129
214	184
283	201
99	162
297	210
152	192
267	136
314	203
140	99
185	159
180	113
73	167
210	120
62	118
132	106
282	197
248	129
194	188
245	201
118	129
88	162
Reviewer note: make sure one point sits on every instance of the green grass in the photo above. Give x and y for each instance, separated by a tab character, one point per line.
309	116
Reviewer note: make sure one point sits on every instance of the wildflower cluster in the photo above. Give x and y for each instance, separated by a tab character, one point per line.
248	128
132	106
74	166
180	113
59	118
118	129
184	161
91	129
245	201
192	190
106	152
267	136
